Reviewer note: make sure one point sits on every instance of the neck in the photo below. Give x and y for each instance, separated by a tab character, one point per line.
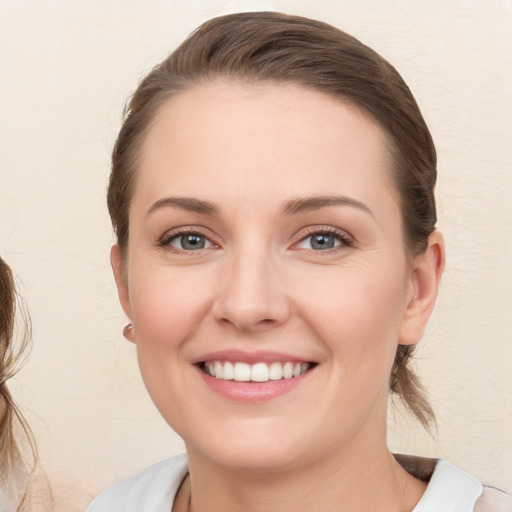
369	480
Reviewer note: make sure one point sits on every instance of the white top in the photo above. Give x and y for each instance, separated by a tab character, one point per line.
153	490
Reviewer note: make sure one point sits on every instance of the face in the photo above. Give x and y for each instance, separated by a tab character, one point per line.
266	274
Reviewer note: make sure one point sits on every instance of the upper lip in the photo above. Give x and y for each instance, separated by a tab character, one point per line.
250	357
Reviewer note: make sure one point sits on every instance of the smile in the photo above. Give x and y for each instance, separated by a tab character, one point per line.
259	372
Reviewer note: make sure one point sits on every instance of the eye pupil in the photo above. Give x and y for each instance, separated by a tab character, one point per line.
192	242
322	242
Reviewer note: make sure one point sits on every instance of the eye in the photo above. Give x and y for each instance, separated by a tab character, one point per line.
324	240
188	241
319	242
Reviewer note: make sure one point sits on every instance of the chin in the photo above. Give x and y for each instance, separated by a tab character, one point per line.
253	459
254	448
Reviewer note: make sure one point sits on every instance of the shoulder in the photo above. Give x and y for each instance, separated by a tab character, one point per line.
152	489
494	500
451	488
483	498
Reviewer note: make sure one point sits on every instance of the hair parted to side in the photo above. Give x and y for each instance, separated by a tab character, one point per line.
274	47
14	470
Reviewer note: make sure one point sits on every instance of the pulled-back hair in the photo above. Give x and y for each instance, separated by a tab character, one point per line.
278	48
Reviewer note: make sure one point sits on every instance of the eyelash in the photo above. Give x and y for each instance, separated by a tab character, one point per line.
167	238
345	240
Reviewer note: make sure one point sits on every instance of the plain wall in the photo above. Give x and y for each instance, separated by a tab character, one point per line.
66	70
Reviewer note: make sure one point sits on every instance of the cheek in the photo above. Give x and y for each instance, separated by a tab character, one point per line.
357	315
167	306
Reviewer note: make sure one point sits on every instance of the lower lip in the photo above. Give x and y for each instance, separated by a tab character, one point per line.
250	392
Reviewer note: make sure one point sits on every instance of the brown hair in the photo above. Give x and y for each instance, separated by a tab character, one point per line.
267	46
13	468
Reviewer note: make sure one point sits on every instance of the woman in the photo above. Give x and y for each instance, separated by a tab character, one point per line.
272	196
13	469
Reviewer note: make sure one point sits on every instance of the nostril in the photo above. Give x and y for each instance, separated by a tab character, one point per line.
249	325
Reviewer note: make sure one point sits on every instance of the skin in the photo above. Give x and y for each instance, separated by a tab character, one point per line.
255	152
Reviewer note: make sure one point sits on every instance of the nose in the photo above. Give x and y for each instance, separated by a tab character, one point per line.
250	297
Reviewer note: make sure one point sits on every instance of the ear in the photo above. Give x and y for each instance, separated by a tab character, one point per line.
425	277
116	260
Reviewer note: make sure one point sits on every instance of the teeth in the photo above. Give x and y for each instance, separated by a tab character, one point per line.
259	372
288	371
228	371
242	372
275	371
217	368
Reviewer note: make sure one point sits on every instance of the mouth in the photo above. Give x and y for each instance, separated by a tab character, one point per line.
259	372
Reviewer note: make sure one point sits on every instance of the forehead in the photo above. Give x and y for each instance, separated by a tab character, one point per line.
258	135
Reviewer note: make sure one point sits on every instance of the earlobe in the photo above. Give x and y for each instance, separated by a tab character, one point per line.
117	263
426	272
128	333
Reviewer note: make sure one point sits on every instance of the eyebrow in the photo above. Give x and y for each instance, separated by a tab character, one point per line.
290	207
185	203
307	204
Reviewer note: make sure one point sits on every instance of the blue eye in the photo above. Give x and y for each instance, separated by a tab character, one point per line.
190	242
323	241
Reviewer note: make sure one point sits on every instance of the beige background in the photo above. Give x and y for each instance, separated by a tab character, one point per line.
66	69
